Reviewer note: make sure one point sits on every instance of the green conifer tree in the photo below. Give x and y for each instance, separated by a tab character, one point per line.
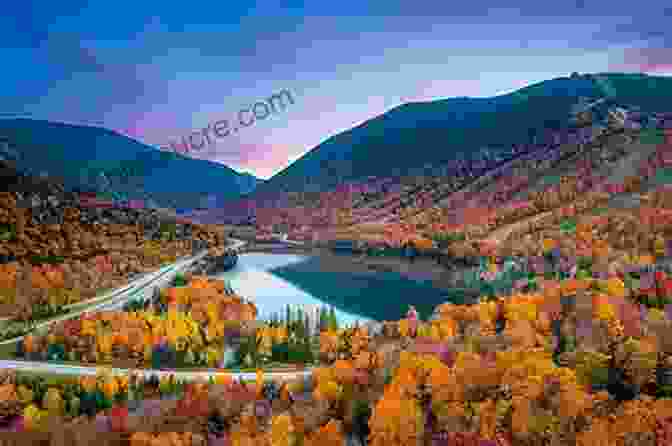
320	319
307	328
299	314
300	329
333	322
324	322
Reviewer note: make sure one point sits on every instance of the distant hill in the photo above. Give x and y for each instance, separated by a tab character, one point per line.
76	155
413	135
248	182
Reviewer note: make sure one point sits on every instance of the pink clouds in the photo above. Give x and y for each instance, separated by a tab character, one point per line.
264	160
646	60
133	132
155	128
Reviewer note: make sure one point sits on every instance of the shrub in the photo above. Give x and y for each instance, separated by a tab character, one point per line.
280	352
445	238
52	260
179	280
599	377
7	232
360	418
299	353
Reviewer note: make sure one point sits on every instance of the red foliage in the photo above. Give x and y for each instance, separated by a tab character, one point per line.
503	439
362	378
666	287
631	318
455	439
183	407
119	418
193	406
664	432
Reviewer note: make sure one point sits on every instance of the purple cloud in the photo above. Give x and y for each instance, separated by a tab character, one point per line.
647	60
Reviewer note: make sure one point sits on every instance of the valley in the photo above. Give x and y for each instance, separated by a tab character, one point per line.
509	285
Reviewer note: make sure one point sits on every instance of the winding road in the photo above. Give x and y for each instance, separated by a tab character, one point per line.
76	370
140	288
117	298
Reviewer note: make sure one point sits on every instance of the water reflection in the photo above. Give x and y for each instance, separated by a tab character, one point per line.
252	279
275	280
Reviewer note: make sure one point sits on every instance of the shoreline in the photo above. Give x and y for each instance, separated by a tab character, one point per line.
348	281
360	287
423	269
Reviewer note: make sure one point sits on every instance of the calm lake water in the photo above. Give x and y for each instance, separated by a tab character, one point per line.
272	281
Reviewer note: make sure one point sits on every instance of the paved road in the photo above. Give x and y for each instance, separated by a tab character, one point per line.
142	287
281	239
236	245
144	293
116	299
76	370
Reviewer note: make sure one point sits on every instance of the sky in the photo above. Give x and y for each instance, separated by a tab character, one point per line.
156	71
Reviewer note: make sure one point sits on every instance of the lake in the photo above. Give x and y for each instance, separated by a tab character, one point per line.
272	281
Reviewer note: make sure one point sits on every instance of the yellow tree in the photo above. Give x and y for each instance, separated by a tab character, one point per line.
396	421
283	432
331	434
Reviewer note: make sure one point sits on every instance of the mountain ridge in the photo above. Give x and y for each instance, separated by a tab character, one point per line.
77	154
460	126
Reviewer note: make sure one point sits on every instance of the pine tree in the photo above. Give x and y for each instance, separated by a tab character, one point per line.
333	322
288	316
300	329
323	318
307	350
299	315
308	328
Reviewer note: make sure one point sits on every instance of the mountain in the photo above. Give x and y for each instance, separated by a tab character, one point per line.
405	139
93	158
248	182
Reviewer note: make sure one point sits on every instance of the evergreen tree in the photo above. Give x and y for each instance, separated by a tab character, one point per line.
299	315
324	323
307	350
308	328
249	346
333	322
300	329
327	319
288	316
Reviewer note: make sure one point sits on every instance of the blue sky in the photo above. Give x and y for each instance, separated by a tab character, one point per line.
157	70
